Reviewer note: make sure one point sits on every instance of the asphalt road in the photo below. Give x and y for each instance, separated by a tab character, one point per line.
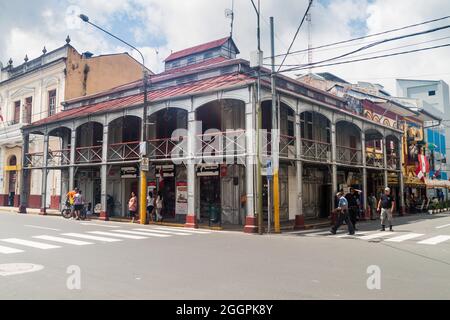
172	263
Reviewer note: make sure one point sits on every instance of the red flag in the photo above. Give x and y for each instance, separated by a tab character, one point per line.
419	173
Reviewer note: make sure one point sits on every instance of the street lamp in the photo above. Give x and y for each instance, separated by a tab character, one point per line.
143	174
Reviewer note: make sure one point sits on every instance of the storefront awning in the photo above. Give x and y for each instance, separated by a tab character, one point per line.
413	182
435	183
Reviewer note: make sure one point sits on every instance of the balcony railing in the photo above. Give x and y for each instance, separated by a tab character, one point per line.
393	162
286	148
348	155
58	157
34	160
316	150
88	154
167	148
230	142
374	159
125	151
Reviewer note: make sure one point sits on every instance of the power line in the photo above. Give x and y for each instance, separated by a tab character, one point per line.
296	33
381	42
384	50
365	59
365	37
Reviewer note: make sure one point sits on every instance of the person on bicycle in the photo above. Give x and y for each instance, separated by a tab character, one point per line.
78	204
70	200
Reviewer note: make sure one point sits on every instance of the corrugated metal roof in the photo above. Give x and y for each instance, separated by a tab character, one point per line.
215	83
196	49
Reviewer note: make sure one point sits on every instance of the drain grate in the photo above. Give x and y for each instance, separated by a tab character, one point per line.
11	269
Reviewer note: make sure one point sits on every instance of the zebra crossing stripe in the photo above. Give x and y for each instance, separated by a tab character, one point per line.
143	233
184	230
377	235
357	234
63	240
111	234
434	240
8	250
89	237
404	237
165	232
32	244
97	225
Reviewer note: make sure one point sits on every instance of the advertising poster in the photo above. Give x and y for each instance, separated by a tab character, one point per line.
181	196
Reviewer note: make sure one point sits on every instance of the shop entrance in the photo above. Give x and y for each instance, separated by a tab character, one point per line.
209	195
316	192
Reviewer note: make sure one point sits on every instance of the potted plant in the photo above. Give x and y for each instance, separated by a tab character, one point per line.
431	207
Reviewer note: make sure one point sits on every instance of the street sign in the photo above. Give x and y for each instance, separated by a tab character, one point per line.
269	169
145	164
143	148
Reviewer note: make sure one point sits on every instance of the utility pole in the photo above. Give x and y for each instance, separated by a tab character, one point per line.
275	135
259	184
144	149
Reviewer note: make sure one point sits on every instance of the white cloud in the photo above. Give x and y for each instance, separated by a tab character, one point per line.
186	23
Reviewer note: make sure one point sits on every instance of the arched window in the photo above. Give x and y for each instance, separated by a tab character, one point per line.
12	161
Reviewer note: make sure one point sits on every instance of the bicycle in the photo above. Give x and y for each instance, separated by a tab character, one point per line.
66	212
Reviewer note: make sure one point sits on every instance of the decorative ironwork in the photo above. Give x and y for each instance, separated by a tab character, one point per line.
393	162
286	147
34	160
230	142
88	154
316	150
58	157
125	151
348	155
166	148
374	159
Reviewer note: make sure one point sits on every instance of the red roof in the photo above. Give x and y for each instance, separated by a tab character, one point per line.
191	67
215	83
196	49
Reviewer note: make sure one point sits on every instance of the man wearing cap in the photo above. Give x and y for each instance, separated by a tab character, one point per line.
386	205
342	210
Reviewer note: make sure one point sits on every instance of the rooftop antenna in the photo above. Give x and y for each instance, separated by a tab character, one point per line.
310	54
229	13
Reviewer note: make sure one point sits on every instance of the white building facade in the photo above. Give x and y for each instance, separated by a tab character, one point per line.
29	92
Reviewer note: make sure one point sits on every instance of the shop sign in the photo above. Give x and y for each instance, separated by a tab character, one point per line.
207	170
168	171
128	172
145	164
181	205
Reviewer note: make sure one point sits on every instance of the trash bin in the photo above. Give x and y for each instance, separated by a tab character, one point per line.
214	215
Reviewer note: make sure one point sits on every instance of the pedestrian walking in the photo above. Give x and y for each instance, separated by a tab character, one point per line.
386	206
372	202
132	206
159	206
353	208
78	203
150	206
343	215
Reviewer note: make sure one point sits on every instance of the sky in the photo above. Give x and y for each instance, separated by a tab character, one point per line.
158	27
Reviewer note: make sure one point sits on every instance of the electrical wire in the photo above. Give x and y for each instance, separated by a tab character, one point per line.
379	43
384	50
365	59
365	37
296	34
